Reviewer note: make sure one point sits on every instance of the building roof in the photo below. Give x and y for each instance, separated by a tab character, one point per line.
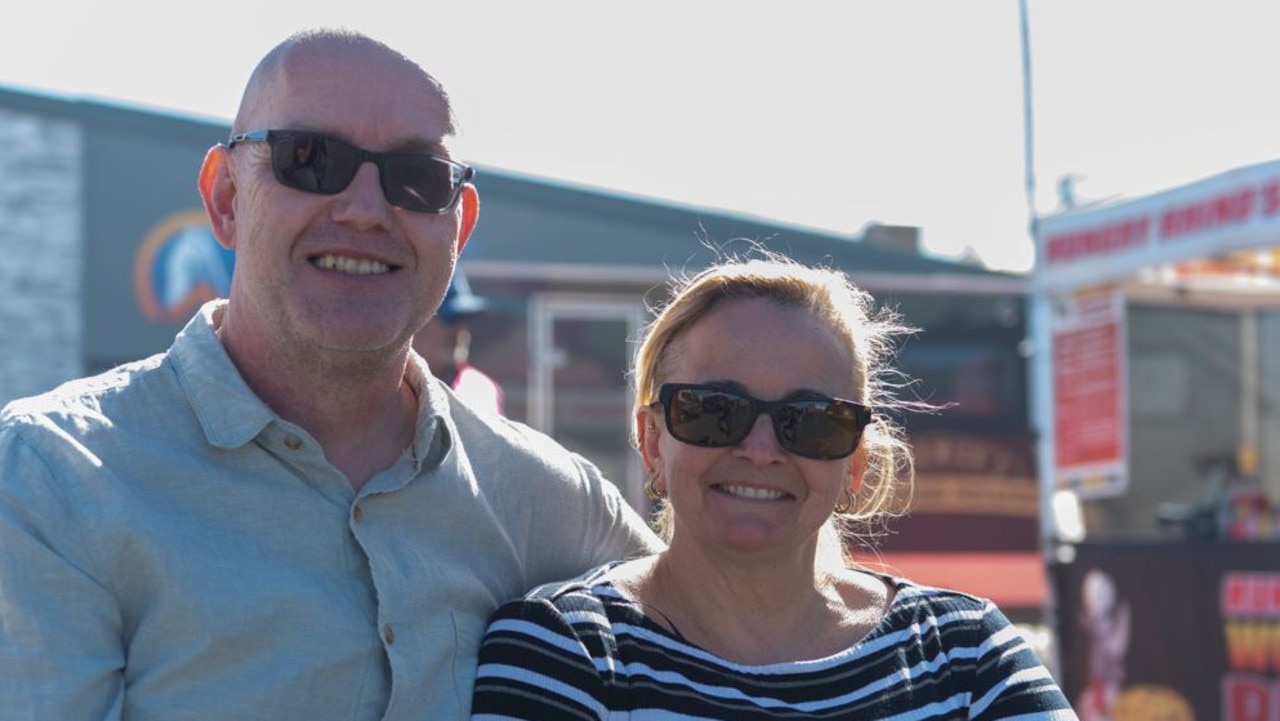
103	115
532	227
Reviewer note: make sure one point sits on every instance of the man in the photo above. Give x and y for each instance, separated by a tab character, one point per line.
445	343
283	516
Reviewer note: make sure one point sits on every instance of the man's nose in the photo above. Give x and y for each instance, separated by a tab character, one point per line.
363	202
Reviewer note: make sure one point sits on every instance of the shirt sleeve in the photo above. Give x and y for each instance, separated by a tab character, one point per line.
1011	682
61	653
535	666
614	529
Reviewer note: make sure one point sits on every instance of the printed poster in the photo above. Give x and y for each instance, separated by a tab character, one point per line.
1090	393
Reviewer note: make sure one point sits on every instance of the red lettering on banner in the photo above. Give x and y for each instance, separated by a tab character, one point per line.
1255	595
1271	198
1231	208
1117	236
1234	595
1249	698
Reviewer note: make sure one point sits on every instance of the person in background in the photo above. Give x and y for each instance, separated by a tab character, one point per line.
760	392
284	516
445	343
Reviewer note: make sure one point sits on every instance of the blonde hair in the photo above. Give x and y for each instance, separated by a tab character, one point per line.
851	312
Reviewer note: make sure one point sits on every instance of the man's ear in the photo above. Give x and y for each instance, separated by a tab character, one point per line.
218	191
470	214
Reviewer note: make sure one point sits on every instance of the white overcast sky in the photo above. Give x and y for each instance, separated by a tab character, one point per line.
824	113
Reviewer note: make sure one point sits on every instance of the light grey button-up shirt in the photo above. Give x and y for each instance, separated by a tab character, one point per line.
171	549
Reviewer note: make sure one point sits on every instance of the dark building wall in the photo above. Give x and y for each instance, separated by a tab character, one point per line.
140	175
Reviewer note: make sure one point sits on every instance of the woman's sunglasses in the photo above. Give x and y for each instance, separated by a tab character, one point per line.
316	163
712	417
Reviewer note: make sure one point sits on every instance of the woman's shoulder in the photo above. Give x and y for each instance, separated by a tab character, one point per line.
937	596
909	593
587	609
936	609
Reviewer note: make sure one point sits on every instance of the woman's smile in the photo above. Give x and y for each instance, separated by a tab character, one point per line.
754	493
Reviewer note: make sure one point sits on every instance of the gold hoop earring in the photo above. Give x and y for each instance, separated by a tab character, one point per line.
651	488
847	504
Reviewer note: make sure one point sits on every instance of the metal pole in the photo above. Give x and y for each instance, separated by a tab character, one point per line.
1040	321
1028	122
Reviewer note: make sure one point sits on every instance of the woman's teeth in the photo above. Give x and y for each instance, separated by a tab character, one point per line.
761	494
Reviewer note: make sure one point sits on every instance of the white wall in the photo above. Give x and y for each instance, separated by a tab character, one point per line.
40	253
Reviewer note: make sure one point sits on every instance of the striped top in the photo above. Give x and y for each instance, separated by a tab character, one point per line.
580	650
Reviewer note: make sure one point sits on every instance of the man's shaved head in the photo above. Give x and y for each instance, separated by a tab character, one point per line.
318	46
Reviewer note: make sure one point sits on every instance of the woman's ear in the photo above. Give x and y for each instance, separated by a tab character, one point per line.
647	438
218	192
857	468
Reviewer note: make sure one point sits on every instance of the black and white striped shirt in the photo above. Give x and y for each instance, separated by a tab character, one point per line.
580	650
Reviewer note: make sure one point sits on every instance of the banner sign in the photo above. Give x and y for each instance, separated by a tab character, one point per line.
1090	389
1237	209
1175	631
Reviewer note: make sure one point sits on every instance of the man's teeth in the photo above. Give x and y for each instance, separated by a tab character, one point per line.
354	266
763	494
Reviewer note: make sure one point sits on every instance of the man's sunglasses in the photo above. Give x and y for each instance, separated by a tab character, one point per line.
713	417
316	163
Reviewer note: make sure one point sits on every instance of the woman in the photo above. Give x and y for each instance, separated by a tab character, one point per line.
755	387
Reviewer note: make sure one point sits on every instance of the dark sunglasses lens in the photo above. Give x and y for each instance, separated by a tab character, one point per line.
418	182
709	418
313	163
818	429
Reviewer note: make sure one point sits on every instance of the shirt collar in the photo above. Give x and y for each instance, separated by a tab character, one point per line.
434	433
231	415
229	411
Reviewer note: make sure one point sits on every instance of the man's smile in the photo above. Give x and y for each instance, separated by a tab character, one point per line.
353	266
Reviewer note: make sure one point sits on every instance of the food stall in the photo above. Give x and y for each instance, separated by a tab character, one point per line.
1156	394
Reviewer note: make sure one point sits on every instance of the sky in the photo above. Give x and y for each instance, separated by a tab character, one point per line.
830	114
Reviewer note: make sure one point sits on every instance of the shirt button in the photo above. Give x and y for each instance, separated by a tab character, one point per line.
357	513
292	442
388	635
